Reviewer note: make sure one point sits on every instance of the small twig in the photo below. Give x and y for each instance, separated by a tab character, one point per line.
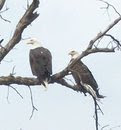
8	95
1	41
16	91
4	10
13	73
110	5
27	4
1	45
99	40
99	109
5	19
114	39
115	127
110	128
104	127
33	107
8	61
96	113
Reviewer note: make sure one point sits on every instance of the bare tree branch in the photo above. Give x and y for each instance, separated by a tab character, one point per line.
32	102
8	80
8	95
104	127
4	10
16	91
27	18
97	108
13	71
2	2
1	41
101	34
96	114
110	5
5	19
115	40
111	127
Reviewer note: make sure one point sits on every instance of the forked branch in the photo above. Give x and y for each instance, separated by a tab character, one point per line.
110	5
26	20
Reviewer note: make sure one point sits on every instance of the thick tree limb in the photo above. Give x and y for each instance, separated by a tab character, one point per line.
8	80
27	18
28	81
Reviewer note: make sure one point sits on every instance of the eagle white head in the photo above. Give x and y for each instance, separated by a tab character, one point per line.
33	42
74	54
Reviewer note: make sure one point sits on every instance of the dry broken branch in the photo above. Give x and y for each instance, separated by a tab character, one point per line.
27	19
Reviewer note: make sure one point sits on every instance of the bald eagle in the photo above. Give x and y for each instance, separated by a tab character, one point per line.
40	61
83	77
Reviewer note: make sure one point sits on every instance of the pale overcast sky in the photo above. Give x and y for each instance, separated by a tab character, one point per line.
63	25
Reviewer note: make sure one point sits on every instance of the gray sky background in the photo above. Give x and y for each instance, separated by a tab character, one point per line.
62	26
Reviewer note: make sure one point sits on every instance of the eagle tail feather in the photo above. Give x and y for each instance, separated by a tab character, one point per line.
90	90
45	83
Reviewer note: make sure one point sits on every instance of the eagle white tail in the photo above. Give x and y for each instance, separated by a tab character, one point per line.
45	84
90	90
